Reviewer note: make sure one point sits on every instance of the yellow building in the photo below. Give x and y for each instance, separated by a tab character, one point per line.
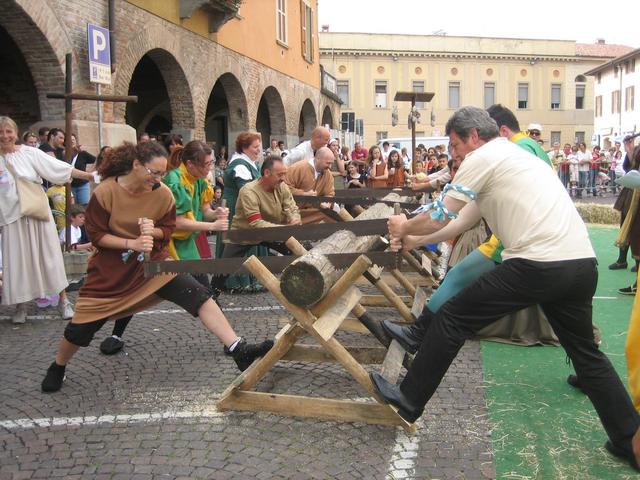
205	69
542	81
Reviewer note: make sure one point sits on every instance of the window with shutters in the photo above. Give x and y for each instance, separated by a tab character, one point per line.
629	93
348	120
523	95
556	93
580	89
489	94
418	87
343	92
380	100
454	95
281	21
615	101
598	112
306	21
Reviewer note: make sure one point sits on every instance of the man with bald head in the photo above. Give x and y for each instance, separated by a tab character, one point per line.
306	150
313	178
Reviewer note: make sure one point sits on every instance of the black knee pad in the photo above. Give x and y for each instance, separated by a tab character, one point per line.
81	334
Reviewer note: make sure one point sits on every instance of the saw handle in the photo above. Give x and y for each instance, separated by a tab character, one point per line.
147	255
397	211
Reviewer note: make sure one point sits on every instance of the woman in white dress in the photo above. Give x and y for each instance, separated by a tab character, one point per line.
31	254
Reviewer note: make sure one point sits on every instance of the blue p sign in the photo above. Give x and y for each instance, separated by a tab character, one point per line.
99	54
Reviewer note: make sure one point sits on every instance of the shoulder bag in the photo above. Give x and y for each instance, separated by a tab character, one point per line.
33	201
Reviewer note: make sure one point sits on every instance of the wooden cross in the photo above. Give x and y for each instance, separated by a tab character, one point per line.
68	96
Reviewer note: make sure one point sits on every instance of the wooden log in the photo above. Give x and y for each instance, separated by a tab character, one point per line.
308	279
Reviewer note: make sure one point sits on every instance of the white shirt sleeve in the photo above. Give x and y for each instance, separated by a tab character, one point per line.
242	172
475	173
298	153
48	167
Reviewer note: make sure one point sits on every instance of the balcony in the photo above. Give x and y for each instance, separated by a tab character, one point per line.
218	11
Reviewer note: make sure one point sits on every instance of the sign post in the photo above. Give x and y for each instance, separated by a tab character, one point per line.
68	96
99	64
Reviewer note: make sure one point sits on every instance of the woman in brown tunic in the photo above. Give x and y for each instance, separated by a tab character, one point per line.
378	173
131	213
395	165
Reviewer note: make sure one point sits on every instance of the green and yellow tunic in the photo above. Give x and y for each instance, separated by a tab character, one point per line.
190	193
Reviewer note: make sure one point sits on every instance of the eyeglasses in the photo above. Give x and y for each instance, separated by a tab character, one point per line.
153	173
535	132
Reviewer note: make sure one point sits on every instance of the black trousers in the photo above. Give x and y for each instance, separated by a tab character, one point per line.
184	290
564	290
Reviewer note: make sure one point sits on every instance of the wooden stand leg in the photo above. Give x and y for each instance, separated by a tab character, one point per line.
321	323
402	280
393	298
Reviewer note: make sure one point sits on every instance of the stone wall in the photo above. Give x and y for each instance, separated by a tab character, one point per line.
190	66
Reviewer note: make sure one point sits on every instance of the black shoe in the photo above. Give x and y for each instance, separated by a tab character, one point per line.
622	453
628	290
53	379
409	337
111	345
392	394
618	266
75	285
245	353
574	381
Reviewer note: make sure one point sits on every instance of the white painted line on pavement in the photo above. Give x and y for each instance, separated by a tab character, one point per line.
154	312
26	423
605	298
405	450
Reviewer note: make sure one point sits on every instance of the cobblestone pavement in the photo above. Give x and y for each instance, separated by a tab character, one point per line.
149	412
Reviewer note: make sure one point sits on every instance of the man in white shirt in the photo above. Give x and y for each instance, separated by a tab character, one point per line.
548	260
306	150
584	166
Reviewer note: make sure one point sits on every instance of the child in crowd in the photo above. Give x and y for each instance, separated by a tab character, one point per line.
419	176
217	197
78	234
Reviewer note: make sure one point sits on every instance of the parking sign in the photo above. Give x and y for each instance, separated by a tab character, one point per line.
99	54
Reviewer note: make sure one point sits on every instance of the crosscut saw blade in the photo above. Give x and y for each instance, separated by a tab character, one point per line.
376	192
275	264
364	200
315	231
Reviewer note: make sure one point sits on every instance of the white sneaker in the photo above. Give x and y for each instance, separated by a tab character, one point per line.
66	309
20	315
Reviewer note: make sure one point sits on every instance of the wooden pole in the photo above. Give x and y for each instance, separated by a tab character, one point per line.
413	137
68	153
93	96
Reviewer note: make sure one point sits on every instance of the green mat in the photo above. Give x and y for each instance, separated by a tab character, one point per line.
541	427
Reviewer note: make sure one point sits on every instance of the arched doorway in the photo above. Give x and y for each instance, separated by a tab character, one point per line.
226	114
18	93
271	121
327	117
308	120
164	97
32	64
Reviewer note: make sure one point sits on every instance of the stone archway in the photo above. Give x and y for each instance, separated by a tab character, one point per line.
308	120
155	45
327	117
39	45
156	80
227	113
271	120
